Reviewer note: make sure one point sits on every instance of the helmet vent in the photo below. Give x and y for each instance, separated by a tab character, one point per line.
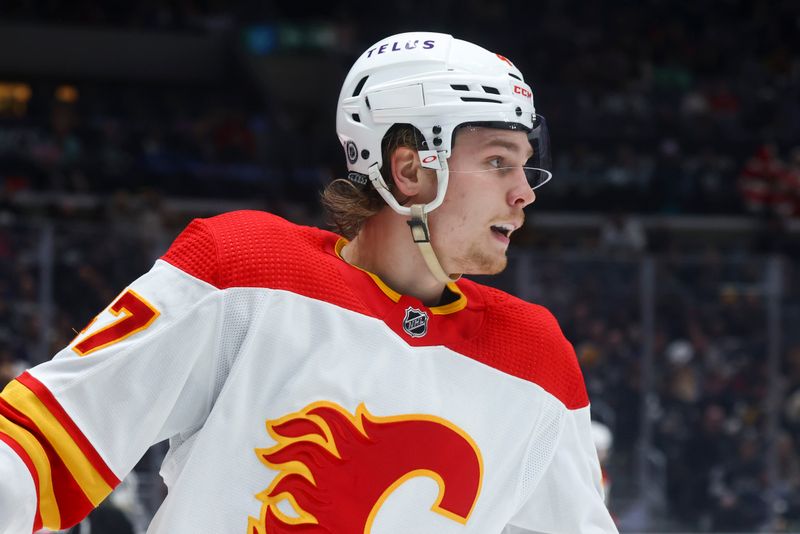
492	90
460	87
478	99
515	76
360	86
356	117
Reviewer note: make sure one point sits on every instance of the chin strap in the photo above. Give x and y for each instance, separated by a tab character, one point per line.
421	236
430	159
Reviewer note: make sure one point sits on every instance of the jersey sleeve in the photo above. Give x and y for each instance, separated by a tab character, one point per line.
568	495
17	491
140	372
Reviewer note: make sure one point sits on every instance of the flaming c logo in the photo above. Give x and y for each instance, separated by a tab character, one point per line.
336	469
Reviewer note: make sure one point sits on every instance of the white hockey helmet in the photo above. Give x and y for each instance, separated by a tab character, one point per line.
434	83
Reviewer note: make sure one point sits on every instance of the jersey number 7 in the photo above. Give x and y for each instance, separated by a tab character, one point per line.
136	315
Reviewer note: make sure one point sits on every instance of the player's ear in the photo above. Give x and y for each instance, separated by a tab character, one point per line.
410	178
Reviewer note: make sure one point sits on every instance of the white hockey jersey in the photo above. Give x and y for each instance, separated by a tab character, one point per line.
302	395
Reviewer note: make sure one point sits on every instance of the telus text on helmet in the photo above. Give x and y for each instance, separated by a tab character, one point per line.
397	46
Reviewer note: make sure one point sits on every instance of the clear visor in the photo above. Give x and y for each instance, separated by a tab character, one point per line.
536	176
536	169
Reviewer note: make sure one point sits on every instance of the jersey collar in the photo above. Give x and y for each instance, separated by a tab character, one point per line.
452	307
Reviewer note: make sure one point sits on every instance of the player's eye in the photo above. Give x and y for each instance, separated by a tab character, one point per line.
502	165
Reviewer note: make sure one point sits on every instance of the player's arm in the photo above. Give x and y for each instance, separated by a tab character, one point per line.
569	495
142	371
17	493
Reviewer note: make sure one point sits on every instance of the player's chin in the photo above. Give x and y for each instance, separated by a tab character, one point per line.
487	264
498	267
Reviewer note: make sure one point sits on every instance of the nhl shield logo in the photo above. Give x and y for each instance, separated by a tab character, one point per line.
415	323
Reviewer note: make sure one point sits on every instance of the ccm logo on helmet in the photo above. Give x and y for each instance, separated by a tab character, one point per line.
522	91
397	46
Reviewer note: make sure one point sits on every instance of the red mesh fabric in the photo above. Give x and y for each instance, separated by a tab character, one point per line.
258	249
195	252
524	340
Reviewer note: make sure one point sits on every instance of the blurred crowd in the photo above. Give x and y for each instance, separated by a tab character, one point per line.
654	107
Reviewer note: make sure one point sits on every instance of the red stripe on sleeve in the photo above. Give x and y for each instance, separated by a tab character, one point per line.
47	398
37	521
73	505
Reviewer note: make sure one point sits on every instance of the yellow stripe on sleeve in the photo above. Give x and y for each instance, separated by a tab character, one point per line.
48	508
91	482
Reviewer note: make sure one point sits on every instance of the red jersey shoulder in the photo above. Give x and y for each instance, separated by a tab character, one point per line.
258	249
525	340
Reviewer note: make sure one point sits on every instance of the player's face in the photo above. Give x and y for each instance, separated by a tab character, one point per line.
483	205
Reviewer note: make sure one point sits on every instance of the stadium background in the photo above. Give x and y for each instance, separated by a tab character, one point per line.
668	243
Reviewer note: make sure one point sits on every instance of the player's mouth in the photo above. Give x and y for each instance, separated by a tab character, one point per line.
502	232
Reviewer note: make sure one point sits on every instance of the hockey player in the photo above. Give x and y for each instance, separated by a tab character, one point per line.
311	383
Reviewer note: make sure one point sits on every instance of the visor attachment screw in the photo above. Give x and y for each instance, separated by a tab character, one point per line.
519	112
437	141
437	130
365	154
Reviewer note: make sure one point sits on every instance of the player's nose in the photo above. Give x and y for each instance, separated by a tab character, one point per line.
520	194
